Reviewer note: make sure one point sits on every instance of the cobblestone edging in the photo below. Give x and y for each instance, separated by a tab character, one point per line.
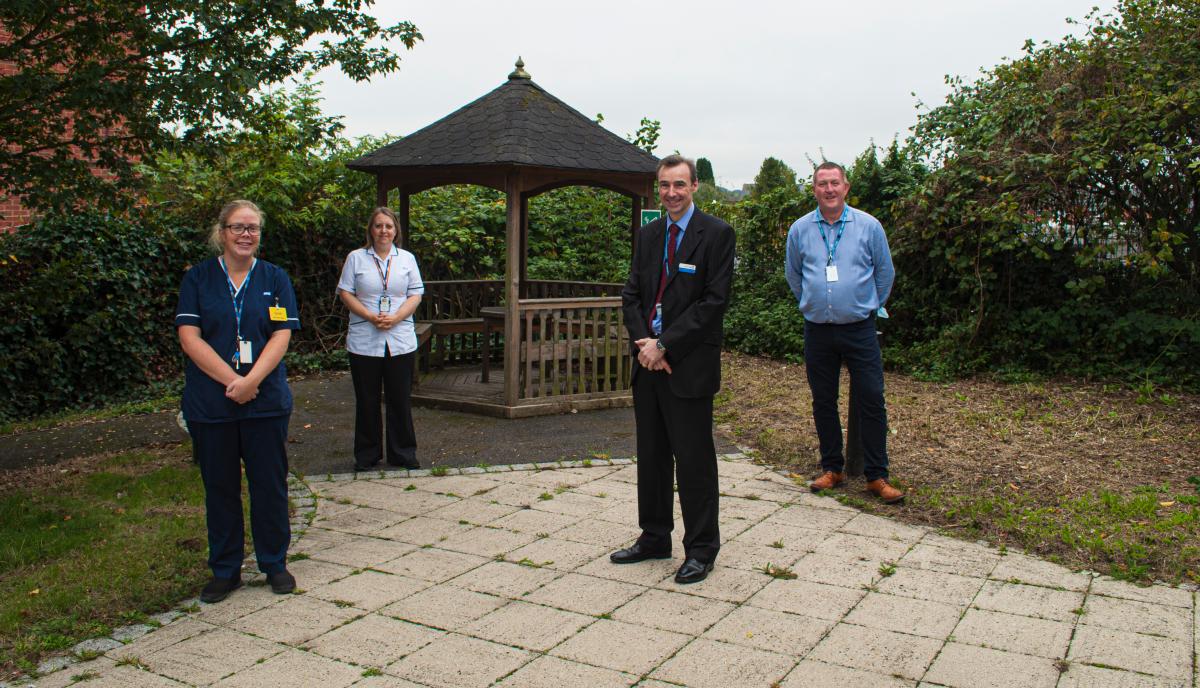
304	503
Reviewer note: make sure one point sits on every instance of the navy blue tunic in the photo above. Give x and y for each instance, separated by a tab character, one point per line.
205	302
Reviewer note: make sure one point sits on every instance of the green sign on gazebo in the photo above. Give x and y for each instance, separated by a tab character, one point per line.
649	216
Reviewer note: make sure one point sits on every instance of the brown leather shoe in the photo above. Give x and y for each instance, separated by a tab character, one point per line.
885	492
827	481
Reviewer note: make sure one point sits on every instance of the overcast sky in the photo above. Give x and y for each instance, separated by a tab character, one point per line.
731	81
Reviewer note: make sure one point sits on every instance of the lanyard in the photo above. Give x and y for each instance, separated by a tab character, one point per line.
235	292
841	228
384	276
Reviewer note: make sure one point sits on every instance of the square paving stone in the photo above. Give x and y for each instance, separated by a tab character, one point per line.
809	599
386	681
976	562
1132	652
506	579
464	486
846	573
850	546
672	611
621	646
931	585
487	542
533	521
554	553
793	538
753	510
871	649
1084	676
1154	594
456	661
164	637
423	530
1029	600
611	536
315	539
115	677
246	600
294	669
361	552
1018	568
444	606
1024	634
967	666
311	573
473	511
767	629
710	664
373	640
877	527
552	672
295	620
517	494
585	594
432	564
906	615
206	658
369	590
609	489
526	625
723	583
815	518
1139	617
750	557
813	674
362	521
572	504
414	502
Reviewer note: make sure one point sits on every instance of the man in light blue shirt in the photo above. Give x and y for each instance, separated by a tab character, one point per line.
840	270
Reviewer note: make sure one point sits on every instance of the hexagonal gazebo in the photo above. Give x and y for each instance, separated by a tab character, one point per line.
563	342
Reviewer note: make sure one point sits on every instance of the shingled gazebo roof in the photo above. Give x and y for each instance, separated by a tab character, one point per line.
518	123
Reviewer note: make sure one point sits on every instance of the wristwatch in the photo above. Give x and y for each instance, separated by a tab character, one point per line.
659	345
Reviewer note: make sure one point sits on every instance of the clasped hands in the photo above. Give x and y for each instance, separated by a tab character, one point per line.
241	390
650	356
385	321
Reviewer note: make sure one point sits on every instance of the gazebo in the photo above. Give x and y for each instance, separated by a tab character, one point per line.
564	344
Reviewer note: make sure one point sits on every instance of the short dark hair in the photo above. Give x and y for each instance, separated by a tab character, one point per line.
676	159
830	165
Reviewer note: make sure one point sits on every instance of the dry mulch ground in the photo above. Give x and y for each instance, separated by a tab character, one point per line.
1013	463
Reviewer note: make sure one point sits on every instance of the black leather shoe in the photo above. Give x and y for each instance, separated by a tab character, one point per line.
282	583
692	571
219	588
635	553
360	469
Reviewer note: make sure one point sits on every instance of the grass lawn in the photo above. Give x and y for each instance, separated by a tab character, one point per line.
1092	476
95	543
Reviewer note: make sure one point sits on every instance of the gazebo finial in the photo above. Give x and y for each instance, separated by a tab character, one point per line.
519	72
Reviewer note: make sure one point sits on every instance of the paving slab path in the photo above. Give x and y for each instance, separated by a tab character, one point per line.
501	577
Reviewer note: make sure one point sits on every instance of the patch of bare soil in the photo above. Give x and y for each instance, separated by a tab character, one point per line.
1040	444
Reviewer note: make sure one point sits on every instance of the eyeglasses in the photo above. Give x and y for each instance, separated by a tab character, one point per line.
252	230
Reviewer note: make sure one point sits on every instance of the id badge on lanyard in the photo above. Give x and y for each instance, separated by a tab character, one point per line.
244	355
385	299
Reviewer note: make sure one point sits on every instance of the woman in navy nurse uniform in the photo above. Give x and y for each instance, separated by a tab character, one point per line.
235	319
382	287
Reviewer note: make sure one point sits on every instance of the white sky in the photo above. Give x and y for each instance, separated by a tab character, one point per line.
733	82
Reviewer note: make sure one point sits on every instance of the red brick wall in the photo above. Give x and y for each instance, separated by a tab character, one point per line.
12	213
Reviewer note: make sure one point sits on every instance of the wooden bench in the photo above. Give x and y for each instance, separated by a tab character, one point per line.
443	328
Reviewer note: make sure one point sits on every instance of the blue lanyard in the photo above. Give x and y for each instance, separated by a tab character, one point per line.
841	228
234	293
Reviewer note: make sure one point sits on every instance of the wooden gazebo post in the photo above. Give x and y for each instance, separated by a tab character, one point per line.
512	286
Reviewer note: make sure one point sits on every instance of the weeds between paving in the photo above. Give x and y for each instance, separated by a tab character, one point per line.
95	543
1092	476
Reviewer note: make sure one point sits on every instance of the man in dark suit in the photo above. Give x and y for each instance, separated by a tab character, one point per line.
674	304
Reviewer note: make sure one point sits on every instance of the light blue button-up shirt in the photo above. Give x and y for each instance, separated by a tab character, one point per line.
683	221
864	266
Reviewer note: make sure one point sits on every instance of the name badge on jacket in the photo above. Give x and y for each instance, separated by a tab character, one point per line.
687	268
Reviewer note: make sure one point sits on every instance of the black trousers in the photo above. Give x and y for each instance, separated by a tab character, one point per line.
393	376
826	347
675	432
220	449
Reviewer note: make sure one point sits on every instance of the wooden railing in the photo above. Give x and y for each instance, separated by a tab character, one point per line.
453	307
572	346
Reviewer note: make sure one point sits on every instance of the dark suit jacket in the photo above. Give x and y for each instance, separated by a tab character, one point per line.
693	304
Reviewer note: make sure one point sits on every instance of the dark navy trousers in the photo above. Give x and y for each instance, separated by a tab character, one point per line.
826	348
221	449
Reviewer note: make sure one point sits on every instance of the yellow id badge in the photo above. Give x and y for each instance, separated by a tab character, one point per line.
278	314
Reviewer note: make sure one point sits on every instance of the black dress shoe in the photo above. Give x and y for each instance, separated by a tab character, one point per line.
692	571
282	583
637	552
360	469
219	588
